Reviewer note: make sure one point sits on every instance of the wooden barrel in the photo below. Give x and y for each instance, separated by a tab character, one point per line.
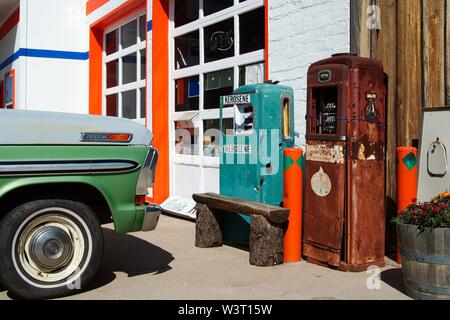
425	262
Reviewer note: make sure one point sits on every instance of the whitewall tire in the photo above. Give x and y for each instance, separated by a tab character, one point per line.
49	248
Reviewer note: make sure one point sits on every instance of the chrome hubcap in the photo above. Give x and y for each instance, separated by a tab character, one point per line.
51	248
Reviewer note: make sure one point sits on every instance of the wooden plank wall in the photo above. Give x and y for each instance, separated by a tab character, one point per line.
384	48
409	70
447	50
434	53
413	44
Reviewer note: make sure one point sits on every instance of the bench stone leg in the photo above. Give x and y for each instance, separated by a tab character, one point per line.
207	228
266	242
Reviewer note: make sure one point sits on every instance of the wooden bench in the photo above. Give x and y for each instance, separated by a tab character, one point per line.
267	224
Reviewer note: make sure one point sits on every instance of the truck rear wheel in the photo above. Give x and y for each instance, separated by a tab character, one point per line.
49	248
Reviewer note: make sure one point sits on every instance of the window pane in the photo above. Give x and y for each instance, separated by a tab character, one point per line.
112	72
143	63
111	42
129	34
129	104
187	52
185	11
143	102
142	28
219	41
211	135
112	104
251	30
187	91
129	68
217	84
243	119
228	126
211	6
251	74
186	138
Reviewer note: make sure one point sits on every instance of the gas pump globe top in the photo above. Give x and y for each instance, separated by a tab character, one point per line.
251	166
252	153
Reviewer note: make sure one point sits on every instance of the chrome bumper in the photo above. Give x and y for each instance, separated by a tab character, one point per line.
151	218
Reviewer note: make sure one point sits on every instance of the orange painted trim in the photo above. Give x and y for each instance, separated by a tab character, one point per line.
12	74
93	5
120	13
160	97
10	23
266	39
95	71
96	50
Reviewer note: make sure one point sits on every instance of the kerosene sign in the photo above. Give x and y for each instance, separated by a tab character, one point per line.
236	99
237	149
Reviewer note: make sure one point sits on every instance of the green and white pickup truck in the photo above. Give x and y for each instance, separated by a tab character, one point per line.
61	177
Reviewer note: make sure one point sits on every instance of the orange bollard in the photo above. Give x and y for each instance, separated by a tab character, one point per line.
406	180
294	164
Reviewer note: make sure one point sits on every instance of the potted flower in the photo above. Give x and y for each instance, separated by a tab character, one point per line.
423	233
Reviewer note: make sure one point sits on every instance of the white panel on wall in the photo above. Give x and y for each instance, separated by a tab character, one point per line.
149	66
186	175
212	183
57	25
56	85
302	32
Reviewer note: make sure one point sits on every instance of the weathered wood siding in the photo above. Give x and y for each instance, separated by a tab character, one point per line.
413	44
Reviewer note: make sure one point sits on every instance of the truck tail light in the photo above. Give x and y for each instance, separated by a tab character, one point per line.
121	137
104	137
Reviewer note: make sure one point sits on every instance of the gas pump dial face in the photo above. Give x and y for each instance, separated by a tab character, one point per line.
321	183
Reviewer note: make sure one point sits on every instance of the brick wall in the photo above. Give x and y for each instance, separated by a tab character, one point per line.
300	33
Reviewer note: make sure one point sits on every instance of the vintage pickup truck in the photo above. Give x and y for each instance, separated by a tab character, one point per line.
61	177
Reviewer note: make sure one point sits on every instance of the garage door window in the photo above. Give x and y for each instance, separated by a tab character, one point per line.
124	69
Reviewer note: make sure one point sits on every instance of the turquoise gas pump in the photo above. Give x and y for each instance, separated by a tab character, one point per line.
251	162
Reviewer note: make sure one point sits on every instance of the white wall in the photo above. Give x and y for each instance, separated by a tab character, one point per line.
300	33
57	84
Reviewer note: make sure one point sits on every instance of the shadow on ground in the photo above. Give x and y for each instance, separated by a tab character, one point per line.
394	278
130	255
127	254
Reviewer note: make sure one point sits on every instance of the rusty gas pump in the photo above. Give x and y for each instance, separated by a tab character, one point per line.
344	213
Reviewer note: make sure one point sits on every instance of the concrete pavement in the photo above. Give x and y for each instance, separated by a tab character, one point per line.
165	264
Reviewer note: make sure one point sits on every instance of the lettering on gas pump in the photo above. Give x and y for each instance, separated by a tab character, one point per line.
242	149
237	99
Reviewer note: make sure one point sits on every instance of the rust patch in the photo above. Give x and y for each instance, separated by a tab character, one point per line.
325	153
366	149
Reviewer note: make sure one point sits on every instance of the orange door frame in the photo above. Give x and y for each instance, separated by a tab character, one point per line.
96	47
160	97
